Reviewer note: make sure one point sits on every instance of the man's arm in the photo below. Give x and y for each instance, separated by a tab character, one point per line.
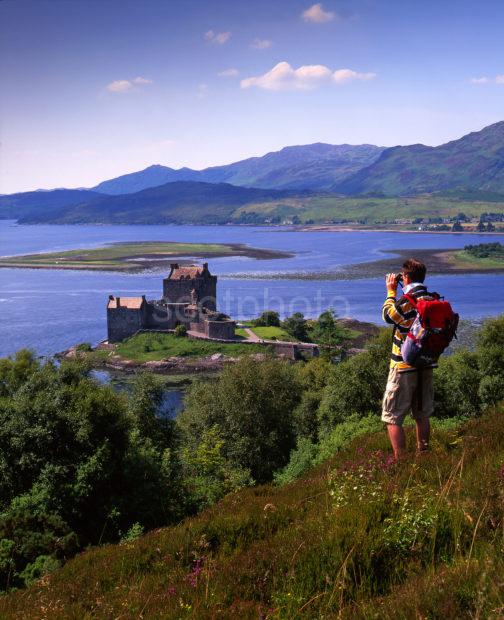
391	313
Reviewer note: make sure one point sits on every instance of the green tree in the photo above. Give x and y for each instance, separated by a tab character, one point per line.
329	333
251	404
295	325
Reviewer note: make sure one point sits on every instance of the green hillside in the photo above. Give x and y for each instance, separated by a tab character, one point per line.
474	162
302	510
178	202
357	537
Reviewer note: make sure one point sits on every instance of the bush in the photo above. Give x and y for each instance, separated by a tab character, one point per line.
356	385
490	351
456	383
84	347
181	331
77	465
269	318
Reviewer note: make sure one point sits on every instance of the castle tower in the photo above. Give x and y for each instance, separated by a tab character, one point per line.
191	284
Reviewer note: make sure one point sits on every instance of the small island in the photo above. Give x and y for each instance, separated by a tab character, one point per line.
136	256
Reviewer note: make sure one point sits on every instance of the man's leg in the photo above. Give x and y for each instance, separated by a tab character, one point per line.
396	403
397	438
423	408
422	434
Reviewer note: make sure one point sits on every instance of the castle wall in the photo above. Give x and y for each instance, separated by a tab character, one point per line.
124	322
220	329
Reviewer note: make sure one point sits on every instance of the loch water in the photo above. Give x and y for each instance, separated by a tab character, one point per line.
50	310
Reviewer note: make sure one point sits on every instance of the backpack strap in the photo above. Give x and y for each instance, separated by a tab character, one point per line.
411	299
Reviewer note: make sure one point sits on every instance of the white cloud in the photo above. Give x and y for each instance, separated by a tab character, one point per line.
261	44
142	80
125	86
340	76
119	86
306	77
498	79
317	15
219	38
228	73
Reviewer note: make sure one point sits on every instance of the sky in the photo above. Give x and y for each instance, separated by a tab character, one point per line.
92	89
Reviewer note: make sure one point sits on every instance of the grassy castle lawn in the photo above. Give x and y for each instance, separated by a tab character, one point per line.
134	256
152	346
357	537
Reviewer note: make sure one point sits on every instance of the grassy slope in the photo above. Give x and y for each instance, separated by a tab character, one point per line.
151	346
430	545
324	208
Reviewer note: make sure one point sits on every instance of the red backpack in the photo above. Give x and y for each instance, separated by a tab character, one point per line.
433	329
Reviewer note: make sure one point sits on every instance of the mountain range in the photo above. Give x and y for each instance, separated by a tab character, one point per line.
315	167
472	166
474	162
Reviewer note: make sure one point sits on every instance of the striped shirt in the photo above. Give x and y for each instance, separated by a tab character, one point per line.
401	314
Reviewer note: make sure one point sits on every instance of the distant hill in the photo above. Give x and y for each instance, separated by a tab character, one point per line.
179	202
474	163
31	204
152	176
314	166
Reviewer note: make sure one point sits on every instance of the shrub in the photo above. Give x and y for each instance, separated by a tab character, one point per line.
456	384
490	351
269	318
209	475
356	385
301	459
77	465
181	331
84	347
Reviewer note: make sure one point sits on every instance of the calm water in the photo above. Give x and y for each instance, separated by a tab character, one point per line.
50	310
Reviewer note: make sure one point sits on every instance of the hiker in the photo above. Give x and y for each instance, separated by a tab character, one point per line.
422	330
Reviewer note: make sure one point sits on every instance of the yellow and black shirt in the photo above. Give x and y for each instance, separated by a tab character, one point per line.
401	314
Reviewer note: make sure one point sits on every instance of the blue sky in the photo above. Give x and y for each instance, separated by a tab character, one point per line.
91	89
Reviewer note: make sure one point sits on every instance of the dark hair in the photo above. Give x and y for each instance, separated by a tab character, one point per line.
414	269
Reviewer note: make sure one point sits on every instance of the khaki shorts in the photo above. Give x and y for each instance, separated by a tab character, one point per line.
401	396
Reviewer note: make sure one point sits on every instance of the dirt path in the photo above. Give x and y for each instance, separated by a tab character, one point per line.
251	336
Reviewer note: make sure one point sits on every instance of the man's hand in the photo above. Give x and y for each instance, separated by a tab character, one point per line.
391	282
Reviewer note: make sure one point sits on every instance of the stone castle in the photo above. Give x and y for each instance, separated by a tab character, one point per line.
189	298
